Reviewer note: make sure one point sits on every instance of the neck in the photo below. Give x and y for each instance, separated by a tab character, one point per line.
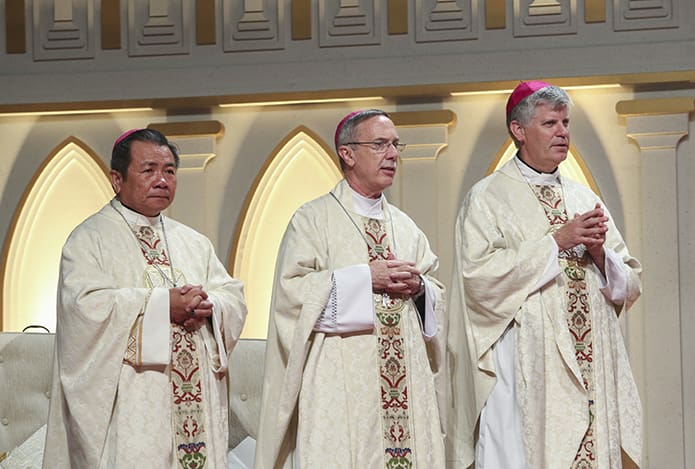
539	171
356	187
135	211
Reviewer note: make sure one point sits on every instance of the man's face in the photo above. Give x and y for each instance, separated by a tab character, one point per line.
368	171
545	141
151	182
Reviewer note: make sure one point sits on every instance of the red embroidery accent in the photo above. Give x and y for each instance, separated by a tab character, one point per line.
578	314
395	406
185	374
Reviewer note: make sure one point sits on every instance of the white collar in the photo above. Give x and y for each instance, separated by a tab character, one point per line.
134	218
534	177
366	207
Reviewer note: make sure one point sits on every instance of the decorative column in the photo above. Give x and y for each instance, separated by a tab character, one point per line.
415	188
657	126
196	143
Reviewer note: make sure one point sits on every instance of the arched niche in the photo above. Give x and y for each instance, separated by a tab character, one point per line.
573	167
70	185
299	169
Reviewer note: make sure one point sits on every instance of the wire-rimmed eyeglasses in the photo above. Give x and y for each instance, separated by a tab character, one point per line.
381	146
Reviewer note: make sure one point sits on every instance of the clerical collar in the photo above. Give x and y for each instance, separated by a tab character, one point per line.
535	177
134	218
534	169
366	207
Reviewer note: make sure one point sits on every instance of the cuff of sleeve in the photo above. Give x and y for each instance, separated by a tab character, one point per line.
220	349
155	329
355	302
429	329
615	288
552	266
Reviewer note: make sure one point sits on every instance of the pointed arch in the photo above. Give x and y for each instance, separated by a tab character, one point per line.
70	185
300	168
573	167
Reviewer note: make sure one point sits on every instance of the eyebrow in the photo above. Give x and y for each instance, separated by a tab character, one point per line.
155	163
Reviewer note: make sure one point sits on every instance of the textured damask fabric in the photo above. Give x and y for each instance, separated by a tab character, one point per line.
327	385
502	245
106	413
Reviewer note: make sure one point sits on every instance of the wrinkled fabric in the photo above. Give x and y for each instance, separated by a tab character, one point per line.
104	413
502	247
329	383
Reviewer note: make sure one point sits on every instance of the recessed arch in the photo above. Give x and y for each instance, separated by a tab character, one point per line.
70	185
573	167
300	168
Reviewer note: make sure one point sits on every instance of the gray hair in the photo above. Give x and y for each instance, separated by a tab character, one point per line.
523	113
346	133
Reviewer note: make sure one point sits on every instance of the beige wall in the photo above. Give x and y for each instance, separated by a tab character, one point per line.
598	133
648	188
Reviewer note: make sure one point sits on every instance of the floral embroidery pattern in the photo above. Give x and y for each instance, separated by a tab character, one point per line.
395	405
574	262
151	246
186	385
187	394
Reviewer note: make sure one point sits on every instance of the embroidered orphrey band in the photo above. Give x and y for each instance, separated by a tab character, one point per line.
574	261
395	405
188	412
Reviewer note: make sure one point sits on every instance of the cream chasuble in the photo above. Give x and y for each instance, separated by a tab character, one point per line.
131	389
570	354
358	400
574	262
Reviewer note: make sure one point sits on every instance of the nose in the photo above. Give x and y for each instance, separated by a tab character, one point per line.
391	150
161	179
563	131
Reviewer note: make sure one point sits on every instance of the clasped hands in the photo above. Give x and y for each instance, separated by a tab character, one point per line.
395	276
189	306
588	228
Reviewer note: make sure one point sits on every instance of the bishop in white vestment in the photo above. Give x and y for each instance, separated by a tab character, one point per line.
353	372
147	317
541	374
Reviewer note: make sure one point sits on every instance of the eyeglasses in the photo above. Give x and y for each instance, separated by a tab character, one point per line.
381	146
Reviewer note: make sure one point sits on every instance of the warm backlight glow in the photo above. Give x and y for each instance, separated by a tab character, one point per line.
573	167
300	101
70	187
299	172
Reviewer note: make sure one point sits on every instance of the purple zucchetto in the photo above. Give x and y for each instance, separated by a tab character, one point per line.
123	136
341	124
523	90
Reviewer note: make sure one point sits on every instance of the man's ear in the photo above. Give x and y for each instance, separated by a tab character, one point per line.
517	130
345	154
116	180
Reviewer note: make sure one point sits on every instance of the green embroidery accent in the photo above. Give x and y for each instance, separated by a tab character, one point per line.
193	461
399	463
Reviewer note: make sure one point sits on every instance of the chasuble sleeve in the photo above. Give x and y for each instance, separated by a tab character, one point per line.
229	307
623	271
300	291
412	244
500	265
621	265
96	309
303	277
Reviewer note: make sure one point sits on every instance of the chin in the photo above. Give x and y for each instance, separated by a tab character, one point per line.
388	178
157	209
